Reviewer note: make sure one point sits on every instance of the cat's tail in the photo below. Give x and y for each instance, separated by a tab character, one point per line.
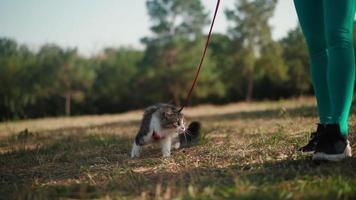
191	135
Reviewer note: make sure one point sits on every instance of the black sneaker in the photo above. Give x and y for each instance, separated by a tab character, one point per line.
332	146
314	138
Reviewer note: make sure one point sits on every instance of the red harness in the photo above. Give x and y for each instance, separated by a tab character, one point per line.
156	136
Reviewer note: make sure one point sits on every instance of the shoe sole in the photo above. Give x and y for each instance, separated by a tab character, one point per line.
333	157
306	152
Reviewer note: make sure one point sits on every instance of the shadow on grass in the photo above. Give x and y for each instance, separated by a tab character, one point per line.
79	156
81	165
270	180
43	159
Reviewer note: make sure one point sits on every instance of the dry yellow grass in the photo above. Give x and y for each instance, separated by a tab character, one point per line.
247	152
48	124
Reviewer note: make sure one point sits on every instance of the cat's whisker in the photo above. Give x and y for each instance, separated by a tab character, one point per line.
188	133
185	137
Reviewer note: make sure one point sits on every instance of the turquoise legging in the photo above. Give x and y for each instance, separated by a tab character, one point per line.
328	26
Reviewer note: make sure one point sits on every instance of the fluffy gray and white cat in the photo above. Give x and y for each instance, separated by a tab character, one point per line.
163	123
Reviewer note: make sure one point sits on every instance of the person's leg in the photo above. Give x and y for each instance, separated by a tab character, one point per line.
338	19
311	19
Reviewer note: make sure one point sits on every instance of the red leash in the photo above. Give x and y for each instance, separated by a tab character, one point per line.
202	58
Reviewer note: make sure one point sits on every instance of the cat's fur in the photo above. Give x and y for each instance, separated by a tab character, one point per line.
163	123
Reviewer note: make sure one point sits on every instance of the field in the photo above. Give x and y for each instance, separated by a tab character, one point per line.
247	151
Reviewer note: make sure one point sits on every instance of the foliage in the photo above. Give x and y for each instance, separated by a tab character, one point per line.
15	82
114	87
175	17
244	64
174	52
252	34
296	58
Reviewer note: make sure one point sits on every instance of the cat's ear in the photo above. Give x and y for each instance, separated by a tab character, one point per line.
180	109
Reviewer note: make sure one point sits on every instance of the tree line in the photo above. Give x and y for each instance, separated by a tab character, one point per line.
243	64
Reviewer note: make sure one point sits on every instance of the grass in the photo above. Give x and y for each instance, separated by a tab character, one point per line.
247	152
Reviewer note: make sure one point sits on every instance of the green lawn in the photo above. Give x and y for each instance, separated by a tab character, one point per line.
247	152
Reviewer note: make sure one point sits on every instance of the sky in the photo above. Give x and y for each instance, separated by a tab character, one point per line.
91	25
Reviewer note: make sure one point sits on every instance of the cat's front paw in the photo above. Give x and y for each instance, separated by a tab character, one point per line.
176	145
166	155
166	147
166	152
135	152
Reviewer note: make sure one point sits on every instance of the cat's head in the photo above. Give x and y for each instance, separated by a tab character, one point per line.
171	118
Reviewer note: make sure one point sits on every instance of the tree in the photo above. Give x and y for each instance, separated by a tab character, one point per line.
67	74
175	17
75	76
114	88
174	50
16	85
251	34
173	21
295	54
271	72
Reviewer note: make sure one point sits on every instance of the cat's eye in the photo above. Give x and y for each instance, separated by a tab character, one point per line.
181	122
168	115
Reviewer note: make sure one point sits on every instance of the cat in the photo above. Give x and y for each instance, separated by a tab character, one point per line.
165	124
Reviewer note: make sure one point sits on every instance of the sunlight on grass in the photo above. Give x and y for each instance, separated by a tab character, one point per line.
247	151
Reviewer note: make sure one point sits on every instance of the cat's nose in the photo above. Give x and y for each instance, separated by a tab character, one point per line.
181	129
